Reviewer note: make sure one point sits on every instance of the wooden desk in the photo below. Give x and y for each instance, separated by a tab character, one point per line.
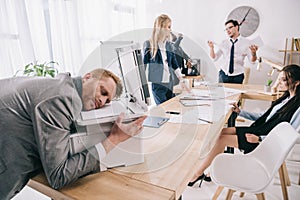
104	185
172	154
254	92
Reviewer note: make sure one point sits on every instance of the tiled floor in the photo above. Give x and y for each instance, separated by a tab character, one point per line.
206	192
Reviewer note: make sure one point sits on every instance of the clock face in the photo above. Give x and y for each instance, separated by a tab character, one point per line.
248	19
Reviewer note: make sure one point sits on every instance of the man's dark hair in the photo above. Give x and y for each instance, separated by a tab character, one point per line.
234	22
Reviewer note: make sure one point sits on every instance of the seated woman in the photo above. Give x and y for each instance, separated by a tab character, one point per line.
252	115
286	108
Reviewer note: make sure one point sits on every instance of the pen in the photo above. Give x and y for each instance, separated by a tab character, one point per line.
173	112
204	120
161	122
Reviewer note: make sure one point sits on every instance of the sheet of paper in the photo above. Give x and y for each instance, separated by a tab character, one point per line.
179	119
191	102
257	41
112	109
200	114
210	94
230	91
196	93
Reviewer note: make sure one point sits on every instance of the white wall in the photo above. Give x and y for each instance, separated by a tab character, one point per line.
203	20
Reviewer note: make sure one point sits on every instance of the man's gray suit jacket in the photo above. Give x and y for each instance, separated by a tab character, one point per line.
37	116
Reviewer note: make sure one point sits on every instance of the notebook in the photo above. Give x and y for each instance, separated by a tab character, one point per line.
109	113
155	122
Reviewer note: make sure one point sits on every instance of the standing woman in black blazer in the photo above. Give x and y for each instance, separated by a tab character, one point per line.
159	56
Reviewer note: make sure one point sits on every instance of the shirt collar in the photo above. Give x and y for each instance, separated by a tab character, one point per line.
78	85
238	38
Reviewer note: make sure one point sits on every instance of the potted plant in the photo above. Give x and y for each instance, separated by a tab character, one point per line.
39	69
267	87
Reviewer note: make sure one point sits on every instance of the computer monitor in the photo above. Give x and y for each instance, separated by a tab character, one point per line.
133	74
128	65
118	56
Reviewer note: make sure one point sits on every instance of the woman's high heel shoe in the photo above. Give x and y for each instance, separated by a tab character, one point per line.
207	178
201	178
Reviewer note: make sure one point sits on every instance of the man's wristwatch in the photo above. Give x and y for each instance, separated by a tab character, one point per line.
259	139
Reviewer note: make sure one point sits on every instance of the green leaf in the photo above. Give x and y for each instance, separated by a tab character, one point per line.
40	69
269	82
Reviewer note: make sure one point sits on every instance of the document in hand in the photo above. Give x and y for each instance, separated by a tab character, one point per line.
109	113
94	126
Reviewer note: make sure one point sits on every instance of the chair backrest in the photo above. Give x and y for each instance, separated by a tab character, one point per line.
246	75
275	147
245	81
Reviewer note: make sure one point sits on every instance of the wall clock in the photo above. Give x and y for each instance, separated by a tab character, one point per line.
247	17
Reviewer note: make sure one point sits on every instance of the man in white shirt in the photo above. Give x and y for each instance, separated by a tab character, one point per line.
234	51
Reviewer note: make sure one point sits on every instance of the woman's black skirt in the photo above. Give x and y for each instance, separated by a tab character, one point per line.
242	140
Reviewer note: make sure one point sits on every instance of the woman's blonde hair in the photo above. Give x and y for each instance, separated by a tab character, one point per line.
158	32
103	73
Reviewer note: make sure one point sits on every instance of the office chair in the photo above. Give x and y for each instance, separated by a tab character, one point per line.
293	163
246	75
245	82
253	172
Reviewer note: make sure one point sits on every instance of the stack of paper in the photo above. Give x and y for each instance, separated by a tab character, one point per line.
109	110
108	113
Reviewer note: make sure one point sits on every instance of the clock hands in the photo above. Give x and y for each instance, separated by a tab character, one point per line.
245	16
